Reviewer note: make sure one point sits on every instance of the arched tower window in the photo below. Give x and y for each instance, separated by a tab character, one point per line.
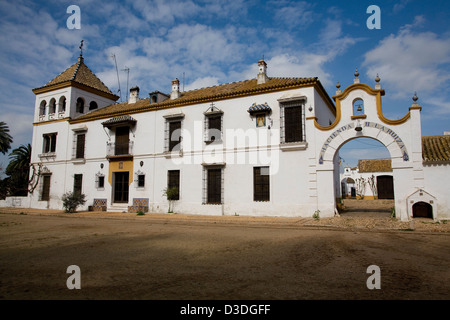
93	105
62	104
358	107
80	105
42	108
52	106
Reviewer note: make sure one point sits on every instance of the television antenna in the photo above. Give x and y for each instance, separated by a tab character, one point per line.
117	71
127	70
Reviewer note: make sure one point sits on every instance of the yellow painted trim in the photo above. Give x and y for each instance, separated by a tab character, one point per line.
361	86
127	165
415	108
336	120
61	85
386	120
325	97
361	116
374	92
50	121
75	84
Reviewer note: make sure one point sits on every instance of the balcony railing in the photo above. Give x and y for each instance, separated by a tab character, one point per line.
119	149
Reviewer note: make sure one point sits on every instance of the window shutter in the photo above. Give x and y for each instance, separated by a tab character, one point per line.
81	138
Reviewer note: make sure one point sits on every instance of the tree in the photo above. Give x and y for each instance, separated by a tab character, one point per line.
172	195
5	138
18	169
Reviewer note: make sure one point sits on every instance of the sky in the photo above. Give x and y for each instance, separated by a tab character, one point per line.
214	42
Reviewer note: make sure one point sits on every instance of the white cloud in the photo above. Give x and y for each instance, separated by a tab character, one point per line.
20	126
400	5
312	59
295	14
410	61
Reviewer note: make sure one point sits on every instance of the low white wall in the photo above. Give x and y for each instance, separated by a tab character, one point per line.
16	202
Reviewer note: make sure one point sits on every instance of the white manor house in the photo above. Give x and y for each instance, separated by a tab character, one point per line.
259	147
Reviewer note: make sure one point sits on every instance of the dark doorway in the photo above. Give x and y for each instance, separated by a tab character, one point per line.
46	187
385	185
122	141
422	210
121	187
214	195
77	183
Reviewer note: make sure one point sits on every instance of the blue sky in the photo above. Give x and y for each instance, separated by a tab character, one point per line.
214	42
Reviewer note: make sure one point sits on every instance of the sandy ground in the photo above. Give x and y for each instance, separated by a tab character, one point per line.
162	256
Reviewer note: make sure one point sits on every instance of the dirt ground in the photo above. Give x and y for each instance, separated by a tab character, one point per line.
163	257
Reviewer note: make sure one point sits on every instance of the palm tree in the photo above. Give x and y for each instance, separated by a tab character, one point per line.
18	169
19	159
5	138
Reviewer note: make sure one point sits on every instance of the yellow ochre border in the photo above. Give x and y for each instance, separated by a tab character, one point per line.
375	92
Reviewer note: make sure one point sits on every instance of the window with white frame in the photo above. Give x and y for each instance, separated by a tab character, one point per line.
292	121
52	106
49	142
42	108
261	184
80	105
62	104
139	180
100	181
79	143
213	124
213	182
173	182
173	129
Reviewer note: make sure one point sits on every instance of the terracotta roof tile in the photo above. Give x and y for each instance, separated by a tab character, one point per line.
79	72
436	149
375	165
224	91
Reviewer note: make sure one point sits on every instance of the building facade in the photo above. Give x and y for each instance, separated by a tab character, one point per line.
262	147
371	179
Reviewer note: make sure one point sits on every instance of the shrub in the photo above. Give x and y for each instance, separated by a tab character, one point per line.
316	214
72	200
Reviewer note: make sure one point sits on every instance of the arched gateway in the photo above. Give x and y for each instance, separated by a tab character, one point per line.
401	137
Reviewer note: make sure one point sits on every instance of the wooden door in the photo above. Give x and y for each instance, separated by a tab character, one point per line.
385	185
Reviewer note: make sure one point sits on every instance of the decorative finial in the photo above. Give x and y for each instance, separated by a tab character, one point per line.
81	48
356	80
415	97
338	88
377	84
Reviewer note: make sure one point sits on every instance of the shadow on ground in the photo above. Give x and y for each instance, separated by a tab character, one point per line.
367	208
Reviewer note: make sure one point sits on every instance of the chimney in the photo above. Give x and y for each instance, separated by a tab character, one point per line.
134	95
262	68
175	89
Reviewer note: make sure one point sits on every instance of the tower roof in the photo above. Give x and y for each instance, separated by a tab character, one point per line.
78	75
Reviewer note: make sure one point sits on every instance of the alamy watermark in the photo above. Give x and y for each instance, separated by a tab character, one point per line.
374	281
74	281
74	21
233	146
374	21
